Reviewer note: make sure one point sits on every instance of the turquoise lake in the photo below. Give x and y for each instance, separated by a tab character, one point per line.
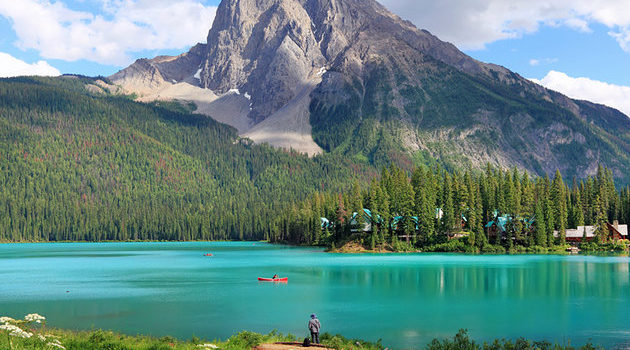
406	300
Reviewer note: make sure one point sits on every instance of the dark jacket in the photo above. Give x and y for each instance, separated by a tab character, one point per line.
313	325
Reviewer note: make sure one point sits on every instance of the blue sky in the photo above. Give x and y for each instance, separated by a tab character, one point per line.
595	55
578	47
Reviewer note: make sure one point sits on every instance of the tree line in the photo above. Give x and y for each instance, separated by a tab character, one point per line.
429	206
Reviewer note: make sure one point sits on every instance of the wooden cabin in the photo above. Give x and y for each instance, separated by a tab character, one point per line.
615	231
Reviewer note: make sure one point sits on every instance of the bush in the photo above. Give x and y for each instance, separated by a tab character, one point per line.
452	246
244	340
614	246
462	341
492	249
97	337
341	343
114	346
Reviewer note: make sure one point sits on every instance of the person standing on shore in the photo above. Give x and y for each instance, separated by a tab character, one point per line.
314	326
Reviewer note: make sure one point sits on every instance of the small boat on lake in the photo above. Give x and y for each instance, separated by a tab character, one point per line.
208	254
261	279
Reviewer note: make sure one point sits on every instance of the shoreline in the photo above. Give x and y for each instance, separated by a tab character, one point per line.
35	334
38	336
356	248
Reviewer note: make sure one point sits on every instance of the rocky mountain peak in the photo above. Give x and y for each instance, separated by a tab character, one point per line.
266	48
349	76
271	49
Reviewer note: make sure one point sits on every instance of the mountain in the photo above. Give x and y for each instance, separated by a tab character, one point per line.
348	77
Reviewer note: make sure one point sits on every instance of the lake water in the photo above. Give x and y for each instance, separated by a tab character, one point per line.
407	300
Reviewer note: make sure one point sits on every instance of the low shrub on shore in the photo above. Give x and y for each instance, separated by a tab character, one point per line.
461	341
612	246
340	342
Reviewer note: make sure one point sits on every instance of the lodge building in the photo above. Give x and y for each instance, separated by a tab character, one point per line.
587	233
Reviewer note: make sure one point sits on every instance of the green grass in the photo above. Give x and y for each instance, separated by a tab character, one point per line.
106	340
462	341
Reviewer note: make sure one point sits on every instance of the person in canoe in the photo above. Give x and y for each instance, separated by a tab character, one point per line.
274	277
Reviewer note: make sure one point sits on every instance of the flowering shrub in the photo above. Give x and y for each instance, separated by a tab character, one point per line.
23	329
34	318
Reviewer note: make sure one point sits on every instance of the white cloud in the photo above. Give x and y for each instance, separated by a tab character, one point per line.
471	24
623	38
13	67
615	96
125	26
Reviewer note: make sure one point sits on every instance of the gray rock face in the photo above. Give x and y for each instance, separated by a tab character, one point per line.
265	48
270	48
151	74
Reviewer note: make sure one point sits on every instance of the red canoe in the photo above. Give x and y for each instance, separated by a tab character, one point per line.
285	279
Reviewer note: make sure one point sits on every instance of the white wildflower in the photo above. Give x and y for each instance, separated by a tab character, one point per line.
5	320
21	334
41	337
207	346
9	327
34	318
57	345
15	331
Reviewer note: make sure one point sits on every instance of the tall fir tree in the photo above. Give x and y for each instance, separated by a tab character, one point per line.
540	227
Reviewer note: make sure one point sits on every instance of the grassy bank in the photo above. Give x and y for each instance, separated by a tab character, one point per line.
31	333
107	340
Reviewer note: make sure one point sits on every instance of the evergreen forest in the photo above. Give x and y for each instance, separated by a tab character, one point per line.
82	166
79	165
432	209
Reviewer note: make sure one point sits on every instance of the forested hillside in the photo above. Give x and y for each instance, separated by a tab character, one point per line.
92	166
77	165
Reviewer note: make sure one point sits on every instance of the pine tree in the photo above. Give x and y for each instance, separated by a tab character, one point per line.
540	227
558	198
527	198
447	205
423	207
549	221
601	229
577	210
